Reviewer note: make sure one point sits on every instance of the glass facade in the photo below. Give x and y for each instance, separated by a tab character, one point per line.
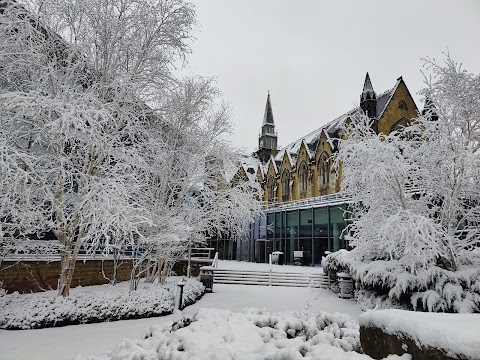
314	231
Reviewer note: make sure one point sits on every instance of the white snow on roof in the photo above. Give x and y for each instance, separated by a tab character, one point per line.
292	149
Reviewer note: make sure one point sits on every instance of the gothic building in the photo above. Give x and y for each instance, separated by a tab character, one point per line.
301	190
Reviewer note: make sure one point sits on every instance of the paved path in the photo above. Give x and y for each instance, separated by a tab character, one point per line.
65	343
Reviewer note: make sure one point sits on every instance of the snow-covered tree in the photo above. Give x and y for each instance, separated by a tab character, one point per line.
187	192
416	190
100	143
75	79
447	152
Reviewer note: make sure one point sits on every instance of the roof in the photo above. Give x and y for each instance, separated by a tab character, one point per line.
332	128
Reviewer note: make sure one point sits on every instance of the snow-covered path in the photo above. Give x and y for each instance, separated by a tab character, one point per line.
65	343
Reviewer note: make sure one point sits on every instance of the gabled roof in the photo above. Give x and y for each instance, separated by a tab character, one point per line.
332	129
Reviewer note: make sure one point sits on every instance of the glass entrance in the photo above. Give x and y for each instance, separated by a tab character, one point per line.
263	248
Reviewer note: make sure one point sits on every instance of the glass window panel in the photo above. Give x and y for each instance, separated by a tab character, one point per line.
337	224
278	225
321	222
306	223
270	225
320	245
291	234
262	227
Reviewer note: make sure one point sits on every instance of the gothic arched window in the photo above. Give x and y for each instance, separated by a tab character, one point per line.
303	176
286	183
323	169
271	188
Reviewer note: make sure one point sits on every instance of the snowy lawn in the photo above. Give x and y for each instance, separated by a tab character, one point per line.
93	304
94	339
251	335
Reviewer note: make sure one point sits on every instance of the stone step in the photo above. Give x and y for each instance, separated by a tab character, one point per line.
273	283
223	271
274	278
267	279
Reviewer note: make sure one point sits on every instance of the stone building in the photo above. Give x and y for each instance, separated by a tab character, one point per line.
304	207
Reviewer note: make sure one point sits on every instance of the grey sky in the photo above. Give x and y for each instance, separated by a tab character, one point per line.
313	55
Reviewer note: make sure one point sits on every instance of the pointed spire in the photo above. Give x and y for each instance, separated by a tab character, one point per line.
268	116
367	86
368	98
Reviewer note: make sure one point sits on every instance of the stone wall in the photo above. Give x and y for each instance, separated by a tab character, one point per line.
34	276
379	345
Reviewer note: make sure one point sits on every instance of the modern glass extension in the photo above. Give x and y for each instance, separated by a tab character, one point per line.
313	229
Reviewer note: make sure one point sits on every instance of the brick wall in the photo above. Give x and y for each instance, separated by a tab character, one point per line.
34	276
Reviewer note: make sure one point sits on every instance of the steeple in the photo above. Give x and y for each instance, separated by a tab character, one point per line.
368	98
267	141
268	116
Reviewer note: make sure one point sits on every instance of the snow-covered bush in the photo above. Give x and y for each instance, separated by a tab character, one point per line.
28	311
388	284
253	334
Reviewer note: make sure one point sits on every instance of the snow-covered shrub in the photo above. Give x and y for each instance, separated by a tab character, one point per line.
28	311
388	284
253	334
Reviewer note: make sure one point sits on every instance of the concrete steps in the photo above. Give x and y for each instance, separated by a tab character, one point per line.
251	277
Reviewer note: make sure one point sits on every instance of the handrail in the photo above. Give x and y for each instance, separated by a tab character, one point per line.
270	267
215	261
312	200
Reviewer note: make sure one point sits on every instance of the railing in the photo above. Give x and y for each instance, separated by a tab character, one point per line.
201	253
270	268
215	261
314	200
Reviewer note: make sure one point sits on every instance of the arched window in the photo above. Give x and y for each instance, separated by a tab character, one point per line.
303	176
271	188
323	170
285	184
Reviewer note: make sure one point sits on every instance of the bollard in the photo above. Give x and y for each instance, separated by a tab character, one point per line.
179	294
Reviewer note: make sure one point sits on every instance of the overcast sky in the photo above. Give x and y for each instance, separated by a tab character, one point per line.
313	55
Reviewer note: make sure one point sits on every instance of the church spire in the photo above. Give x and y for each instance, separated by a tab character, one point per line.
268	116
267	141
368	98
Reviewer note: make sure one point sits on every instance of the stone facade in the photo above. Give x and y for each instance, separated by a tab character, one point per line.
303	169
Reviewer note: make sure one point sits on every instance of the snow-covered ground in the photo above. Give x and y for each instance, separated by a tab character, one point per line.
94	339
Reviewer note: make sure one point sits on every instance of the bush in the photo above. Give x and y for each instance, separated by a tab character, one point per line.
387	284
30	311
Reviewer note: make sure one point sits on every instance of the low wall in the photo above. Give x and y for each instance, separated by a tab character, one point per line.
36	275
425	336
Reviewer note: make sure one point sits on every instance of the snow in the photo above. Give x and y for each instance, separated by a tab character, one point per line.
93	339
251	266
93	304
459	334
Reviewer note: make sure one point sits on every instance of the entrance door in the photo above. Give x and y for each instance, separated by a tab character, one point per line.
263	248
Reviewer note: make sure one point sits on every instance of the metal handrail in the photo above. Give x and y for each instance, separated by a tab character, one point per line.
215	261
312	200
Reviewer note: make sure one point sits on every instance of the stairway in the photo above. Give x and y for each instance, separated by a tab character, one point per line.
252	277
